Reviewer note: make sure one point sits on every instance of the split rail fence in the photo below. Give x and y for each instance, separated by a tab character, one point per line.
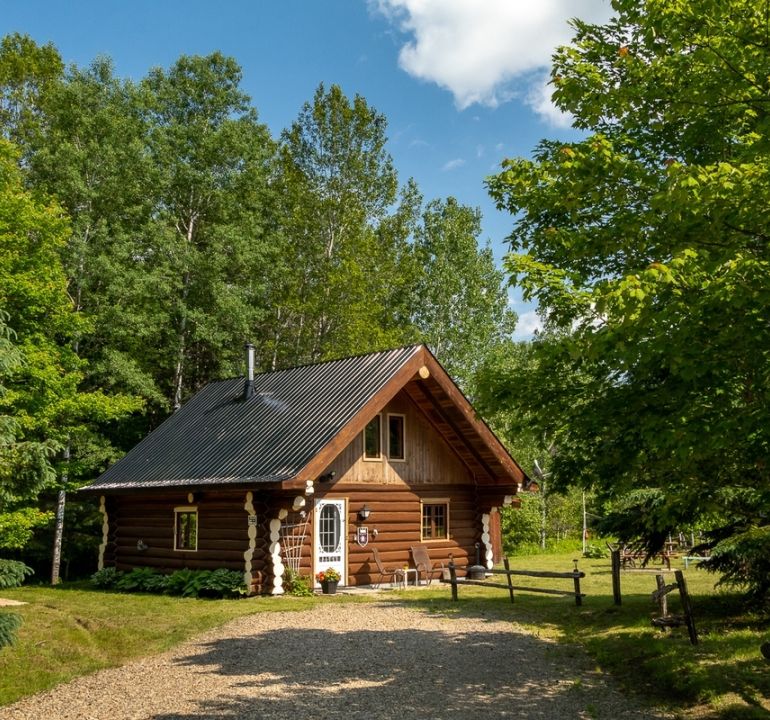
576	575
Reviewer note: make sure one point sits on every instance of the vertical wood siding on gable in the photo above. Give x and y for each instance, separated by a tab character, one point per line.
429	459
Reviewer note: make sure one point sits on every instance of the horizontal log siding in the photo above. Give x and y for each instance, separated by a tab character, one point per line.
222	532
396	515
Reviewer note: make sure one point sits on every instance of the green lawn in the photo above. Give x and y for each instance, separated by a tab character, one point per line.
72	630
724	676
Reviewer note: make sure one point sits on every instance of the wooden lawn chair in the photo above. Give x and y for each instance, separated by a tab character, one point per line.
385	572
424	564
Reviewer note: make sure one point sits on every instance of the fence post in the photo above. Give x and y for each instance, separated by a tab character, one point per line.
663	599
578	596
453	578
507	565
615	555
687	605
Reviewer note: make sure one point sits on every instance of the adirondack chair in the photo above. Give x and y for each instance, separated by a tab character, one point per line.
395	574
424	564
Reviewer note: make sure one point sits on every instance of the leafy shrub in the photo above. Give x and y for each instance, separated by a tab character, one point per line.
140	580
295	584
187	583
12	573
596	552
18	527
106	578
221	583
744	561
9	624
178	581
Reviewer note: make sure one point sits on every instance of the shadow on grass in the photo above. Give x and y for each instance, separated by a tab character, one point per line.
661	666
390	673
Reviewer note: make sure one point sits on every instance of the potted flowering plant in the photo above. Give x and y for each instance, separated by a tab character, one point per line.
328	579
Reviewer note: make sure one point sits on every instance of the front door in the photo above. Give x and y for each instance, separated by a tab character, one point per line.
330	533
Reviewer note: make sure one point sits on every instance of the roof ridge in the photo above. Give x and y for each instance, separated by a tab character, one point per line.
326	362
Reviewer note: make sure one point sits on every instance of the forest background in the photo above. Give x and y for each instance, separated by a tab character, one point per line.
148	229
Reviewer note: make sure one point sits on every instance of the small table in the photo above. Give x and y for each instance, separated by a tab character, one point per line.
692	559
403	575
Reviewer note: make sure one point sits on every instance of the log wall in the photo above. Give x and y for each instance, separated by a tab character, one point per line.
396	518
222	532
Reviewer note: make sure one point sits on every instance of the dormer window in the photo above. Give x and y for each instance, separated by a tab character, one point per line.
373	439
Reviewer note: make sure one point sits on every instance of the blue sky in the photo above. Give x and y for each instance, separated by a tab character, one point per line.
461	82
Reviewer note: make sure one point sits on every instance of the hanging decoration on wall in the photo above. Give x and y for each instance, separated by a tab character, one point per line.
362	536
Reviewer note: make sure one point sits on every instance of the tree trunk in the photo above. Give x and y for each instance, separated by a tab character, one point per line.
59	531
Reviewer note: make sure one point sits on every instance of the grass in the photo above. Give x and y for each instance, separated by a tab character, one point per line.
72	630
724	676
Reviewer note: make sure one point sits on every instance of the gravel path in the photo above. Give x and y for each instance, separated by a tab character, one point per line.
346	661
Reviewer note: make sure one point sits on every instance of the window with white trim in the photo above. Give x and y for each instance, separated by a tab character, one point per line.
186	528
396	437
373	439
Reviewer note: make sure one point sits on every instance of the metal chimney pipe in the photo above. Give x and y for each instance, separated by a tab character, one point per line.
248	389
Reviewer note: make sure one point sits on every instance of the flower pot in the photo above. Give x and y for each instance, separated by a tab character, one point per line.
329	587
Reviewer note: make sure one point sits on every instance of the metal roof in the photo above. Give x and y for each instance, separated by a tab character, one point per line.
219	438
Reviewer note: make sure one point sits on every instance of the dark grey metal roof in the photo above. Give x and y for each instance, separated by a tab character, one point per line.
218	438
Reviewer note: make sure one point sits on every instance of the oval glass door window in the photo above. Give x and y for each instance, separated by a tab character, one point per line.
329	534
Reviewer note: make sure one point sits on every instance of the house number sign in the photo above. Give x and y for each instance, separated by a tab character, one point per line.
362	536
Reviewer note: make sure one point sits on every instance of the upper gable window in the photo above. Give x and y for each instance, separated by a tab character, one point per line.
372	439
396	450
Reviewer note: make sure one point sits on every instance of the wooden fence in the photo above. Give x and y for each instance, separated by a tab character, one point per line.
575	576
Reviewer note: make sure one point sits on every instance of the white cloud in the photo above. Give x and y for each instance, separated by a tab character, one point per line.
539	99
453	164
482	51
528	324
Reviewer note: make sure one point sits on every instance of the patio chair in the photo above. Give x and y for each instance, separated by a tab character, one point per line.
395	574
424	564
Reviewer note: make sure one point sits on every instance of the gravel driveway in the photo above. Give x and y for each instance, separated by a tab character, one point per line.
339	660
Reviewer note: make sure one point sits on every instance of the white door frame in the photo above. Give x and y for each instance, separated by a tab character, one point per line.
333	525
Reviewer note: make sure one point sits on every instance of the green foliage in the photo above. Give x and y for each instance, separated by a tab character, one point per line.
179	580
295	584
12	573
460	300
106	578
596	552
220	583
18	526
645	245
9	624
743	560
521	526
139	580
147	228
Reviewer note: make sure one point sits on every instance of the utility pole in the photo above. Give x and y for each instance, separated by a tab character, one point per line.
541	476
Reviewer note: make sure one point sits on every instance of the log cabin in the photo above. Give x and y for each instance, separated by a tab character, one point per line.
309	468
